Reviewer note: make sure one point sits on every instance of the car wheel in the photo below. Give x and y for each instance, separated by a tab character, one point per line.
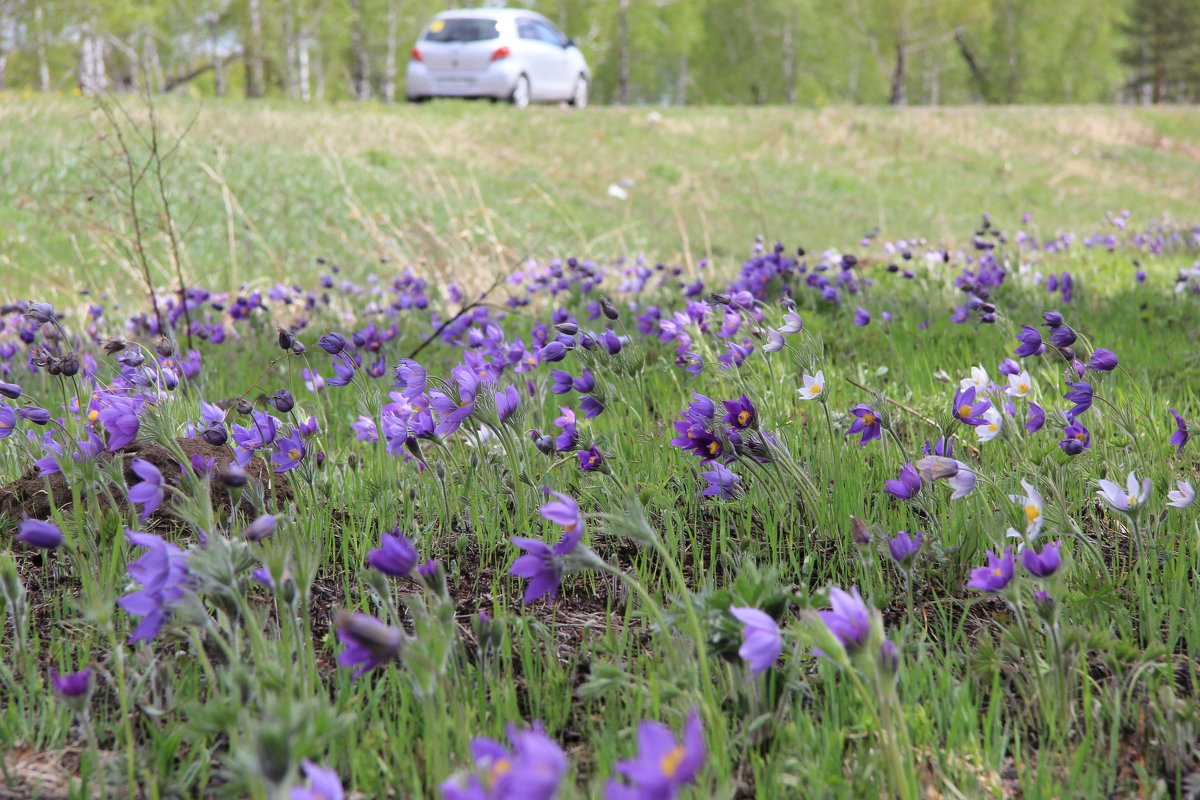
579	97
416	99
520	93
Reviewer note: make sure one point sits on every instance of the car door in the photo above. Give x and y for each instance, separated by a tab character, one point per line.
542	60
562	82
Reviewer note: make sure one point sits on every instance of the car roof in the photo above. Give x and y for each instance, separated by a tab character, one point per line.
495	13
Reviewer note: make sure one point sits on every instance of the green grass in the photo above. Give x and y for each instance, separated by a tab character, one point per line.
1103	705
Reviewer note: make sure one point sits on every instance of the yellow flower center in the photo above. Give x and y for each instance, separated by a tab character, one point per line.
714	448
93	415
531	360
997	572
1032	512
1081	437
569	527
591	460
500	768
964	411
815	389
1130	500
4	424
991	426
868	419
669	764
463	403
1022	387
294	454
743	417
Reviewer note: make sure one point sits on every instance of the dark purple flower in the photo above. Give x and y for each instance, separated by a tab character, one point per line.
560	381
1035	418
1043	564
149	490
10	390
369	642
1031	343
696	438
862	317
611	342
541	564
590	406
590	459
722	482
39	534
1062	337
8	421
906	486
554	351
966	410
1076	438
584	383
1009	367
849	620
1081	395
507	402
397	555
332	343
867	423
568	440
1180	437
76	684
35	414
1052	319
904	548
119	418
739	413
262	527
761	642
343	369
942	447
1103	360
996	575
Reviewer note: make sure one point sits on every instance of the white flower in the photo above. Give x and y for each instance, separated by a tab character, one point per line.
1034	508
1182	498
1129	499
792	323
990	429
978	379
1019	385
963	481
813	386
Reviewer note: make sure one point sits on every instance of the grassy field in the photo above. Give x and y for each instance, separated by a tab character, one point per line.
222	658
260	191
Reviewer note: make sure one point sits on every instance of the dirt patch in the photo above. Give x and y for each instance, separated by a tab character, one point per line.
33	495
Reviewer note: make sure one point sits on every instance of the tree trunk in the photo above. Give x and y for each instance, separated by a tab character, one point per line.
6	23
90	72
302	71
43	63
361	76
255	76
389	62
789	64
623	53
290	47
897	97
684	77
318	70
978	76
219	83
151	64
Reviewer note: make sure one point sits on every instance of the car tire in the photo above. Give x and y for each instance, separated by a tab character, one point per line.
579	97
417	99
520	93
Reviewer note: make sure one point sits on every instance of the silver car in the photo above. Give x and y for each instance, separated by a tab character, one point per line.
498	53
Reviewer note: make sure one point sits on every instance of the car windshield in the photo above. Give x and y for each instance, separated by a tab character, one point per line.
461	30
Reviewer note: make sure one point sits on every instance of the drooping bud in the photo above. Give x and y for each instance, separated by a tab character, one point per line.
233	476
608	308
164	347
860	532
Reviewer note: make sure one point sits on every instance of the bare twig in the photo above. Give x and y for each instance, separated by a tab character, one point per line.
974	450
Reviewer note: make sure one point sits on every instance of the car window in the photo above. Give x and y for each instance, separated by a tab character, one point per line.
527	29
550	35
460	29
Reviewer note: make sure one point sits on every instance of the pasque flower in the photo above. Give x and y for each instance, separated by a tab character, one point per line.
1034	508
1035	418
119	418
867	423
1031	343
979	379
1045	563
543	565
813	386
75	684
291	452
967	410
531	770
590	459
1081	395
1076	438
904	548
323	784
8	421
996	575
722	482
1180	437
761	642
849	619
149	490
1103	360
663	764
162	572
1128	500
1182	496
1019	385
740	413
39	534
369	642
906	486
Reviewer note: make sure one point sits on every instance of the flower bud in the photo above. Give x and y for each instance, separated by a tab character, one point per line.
283	401
233	476
860	532
69	365
243	406
608	308
164	347
286	340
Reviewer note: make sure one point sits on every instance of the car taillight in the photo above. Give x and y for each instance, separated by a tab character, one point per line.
501	53
415	55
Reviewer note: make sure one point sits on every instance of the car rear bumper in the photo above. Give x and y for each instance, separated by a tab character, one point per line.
496	81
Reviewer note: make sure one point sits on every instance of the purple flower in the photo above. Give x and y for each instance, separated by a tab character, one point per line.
1062	337
120	420
906	486
1052	319
323	784
568	440
396	556
590	460
554	351
1035	418
739	413
35	414
722	482
1043	564
532	770
1180	437
39	534
10	390
76	684
162	572
862	317
332	343
1129	499
262	527
584	383
1081	395
1009	367
369	642
8	421
507	402
967	410
996	575
904	548
290	453
663	764
560	381
848	620
542	564
563	512
343	370
867	423
1103	360
761	642
611	342
1031	343
591	407
150	490
365	430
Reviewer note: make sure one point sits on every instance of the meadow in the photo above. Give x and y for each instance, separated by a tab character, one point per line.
846	456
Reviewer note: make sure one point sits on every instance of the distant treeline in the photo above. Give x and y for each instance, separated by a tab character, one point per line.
641	51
